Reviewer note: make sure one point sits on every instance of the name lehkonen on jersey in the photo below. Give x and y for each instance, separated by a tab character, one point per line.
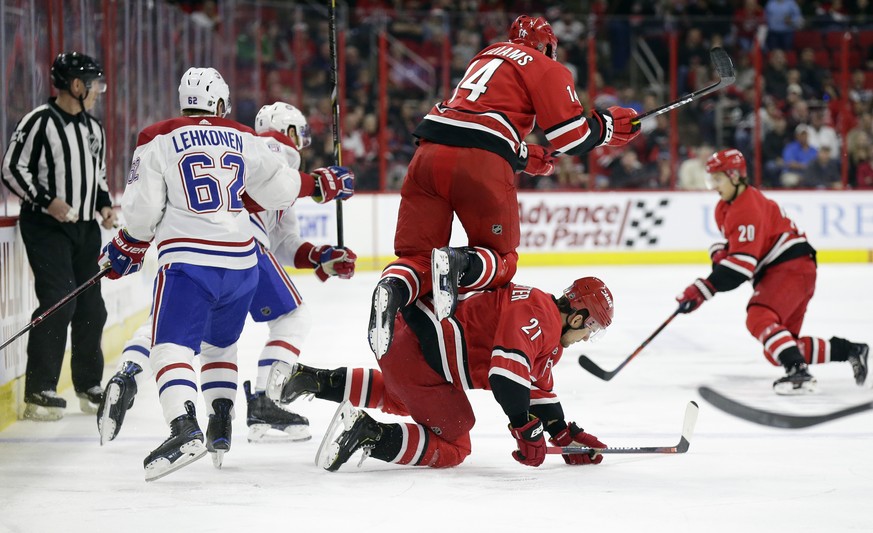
207	137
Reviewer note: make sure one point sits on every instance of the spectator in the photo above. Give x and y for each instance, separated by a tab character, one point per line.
821	135
61	181
692	171
775	75
796	156
774	144
628	173
864	174
811	74
747	19
859	91
823	172
783	19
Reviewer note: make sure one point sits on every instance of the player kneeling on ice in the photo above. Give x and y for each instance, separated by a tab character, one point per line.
765	246
185	192
512	337
276	301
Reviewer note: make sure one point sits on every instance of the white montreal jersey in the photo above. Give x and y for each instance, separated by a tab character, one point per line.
278	230
185	185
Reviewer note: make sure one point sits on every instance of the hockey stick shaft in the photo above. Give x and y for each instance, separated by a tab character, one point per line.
688	424
776	420
727	76
592	367
51	310
335	104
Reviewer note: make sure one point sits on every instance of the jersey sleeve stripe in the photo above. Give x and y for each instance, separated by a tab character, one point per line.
472	126
742	268
566	126
511	376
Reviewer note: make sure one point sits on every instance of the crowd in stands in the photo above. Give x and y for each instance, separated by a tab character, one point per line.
803	113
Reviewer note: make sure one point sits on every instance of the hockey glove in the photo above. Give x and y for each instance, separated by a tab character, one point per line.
531	443
124	255
717	252
333	183
618	126
573	435
330	261
694	295
539	161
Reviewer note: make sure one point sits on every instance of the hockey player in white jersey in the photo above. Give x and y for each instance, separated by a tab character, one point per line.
188	182
277	301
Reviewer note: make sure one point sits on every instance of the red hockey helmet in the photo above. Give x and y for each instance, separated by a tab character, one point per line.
535	32
593	295
730	161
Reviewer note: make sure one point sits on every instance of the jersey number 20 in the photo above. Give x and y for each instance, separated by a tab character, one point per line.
202	187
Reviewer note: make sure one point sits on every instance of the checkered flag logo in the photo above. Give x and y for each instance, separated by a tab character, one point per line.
645	222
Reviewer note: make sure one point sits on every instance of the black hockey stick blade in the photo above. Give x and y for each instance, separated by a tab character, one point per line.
775	420
723	66
684	440
592	367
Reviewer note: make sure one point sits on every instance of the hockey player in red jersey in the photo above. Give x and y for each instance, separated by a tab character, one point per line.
470	147
506	340
764	246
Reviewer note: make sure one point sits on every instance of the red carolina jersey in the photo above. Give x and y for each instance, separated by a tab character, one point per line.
506	90
513	332
758	233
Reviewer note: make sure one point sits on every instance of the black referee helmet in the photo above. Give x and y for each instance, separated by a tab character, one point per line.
69	66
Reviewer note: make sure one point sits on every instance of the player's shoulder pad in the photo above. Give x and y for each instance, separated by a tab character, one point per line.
166	127
280	138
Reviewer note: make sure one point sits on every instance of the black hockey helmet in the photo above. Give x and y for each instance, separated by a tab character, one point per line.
69	66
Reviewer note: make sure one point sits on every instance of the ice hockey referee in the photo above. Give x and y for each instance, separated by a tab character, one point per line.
55	163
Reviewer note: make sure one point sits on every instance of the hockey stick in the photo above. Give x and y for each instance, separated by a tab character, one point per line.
335	104
724	67
776	420
62	302
592	367
684	440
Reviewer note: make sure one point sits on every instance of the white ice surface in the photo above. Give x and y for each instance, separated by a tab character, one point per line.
736	477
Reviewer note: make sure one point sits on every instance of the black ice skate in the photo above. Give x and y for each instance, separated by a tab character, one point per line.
388	298
184	446
45	406
288	383
858	355
360	431
218	432
117	399
447	265
264	415
797	380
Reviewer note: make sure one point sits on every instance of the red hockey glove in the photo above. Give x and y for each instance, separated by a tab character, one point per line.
531	443
618	126
539	161
573	435
333	183
329	261
717	252
124	255
694	295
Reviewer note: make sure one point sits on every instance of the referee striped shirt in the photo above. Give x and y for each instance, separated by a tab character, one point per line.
55	154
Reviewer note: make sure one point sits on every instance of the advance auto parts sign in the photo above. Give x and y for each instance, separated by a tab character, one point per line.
594	222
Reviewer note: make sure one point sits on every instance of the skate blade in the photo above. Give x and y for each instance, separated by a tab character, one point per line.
105	424
217	458
439	270
280	373
266	434
328	450
379	334
38	413
161	467
787	389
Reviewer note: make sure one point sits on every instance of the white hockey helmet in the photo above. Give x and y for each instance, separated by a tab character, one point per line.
279	117
201	89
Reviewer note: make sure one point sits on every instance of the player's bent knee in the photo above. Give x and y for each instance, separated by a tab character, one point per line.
759	319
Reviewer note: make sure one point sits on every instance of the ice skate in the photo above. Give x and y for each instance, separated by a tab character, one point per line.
90	400
45	406
117	399
387	300
264	415
218	432
184	446
447	265
288	383
798	380
858	357
359	431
